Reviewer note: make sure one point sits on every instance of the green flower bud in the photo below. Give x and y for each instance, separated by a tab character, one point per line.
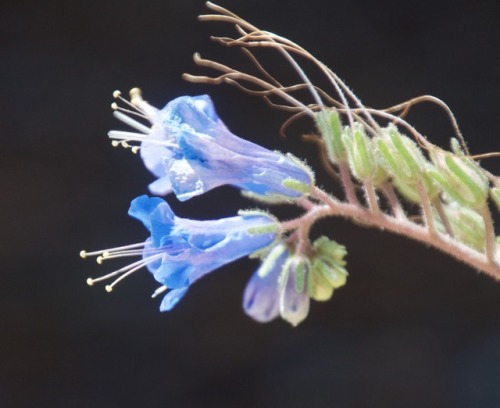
407	165
327	268
334	274
403	158
461	178
330	127
467	225
327	248
410	191
318	287
363	157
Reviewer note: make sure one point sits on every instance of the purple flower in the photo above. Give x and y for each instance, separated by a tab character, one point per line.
278	288
180	251
190	150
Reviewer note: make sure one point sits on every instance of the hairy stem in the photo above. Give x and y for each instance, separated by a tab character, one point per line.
411	230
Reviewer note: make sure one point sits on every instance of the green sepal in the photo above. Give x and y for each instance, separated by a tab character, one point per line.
296	185
270	259
327	248
471	175
335	275
330	127
461	178
318	288
266	199
468	226
358	154
401	155
272	227
409	153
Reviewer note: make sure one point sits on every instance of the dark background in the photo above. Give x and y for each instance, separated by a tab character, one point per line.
412	328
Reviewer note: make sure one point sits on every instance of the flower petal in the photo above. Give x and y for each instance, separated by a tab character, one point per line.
172	298
142	207
261	296
293	305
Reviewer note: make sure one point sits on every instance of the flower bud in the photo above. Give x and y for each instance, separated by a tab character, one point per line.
402	156
467	225
461	178
330	128
363	158
327	269
294	298
407	165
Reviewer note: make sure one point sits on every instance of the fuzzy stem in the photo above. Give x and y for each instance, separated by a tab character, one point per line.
371	197
427	208
345	176
411	230
393	201
438	205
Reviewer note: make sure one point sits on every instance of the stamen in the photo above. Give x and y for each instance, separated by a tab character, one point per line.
128	136
159	291
136	137
141	105
121	254
108	251
139	265
136	96
131	122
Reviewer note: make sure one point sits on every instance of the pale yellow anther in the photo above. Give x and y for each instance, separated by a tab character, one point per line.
114	106
124	144
109	288
90	281
83	254
99	260
135	96
115	143
105	254
117	94
135	149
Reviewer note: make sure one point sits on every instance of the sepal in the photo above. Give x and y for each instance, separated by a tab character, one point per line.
330	127
461	178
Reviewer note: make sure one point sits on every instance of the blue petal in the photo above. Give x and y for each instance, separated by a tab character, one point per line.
196	152
198	112
261	297
142	207
162	220
172	298
174	274
162	186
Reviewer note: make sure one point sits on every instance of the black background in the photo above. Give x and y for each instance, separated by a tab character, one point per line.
412	328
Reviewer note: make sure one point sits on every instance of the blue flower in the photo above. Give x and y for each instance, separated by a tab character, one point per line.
191	151
277	288
180	251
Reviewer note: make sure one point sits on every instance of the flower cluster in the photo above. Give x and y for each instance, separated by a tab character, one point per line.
391	178
190	151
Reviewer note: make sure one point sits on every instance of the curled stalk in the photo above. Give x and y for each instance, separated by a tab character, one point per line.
371	151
